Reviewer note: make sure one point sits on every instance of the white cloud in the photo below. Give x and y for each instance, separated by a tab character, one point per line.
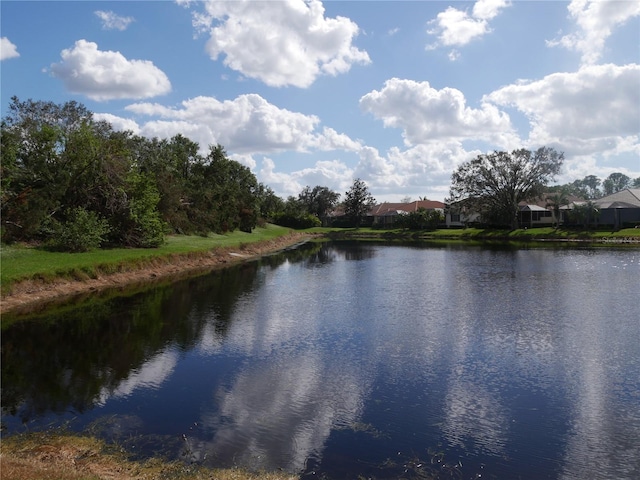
333	174
7	49
593	110
246	125
426	114
596	20
455	27
118	123
423	170
246	160
112	21
280	43
107	75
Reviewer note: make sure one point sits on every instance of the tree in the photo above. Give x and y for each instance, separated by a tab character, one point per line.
585	213
591	183
557	200
494	184
319	200
636	183
615	182
358	201
269	202
37	169
421	219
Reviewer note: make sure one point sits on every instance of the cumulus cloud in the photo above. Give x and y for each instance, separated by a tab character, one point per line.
455	28
247	124
118	123
107	75
593	110
7	49
596	20
426	114
280	43
333	174
422	170
112	21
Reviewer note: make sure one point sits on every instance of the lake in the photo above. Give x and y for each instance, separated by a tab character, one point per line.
335	360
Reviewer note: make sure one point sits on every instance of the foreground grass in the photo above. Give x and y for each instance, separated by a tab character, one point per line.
41	456
19	262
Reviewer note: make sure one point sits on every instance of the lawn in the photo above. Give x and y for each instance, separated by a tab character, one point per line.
19	262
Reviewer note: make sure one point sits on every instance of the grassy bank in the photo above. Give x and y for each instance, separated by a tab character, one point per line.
20	262
44	455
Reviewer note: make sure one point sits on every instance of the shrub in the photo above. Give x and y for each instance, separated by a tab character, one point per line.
82	231
296	221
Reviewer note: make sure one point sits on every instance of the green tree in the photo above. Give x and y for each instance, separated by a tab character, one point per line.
616	182
422	219
555	201
319	200
358	201
270	203
143	227
495	183
49	153
591	184
585	214
225	193
636	183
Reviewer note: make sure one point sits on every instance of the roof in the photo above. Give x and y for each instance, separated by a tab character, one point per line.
627	198
543	201
387	208
532	208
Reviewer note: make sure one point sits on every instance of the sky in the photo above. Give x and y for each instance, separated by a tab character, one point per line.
306	93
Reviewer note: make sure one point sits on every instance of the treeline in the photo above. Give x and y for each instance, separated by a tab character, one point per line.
74	183
591	187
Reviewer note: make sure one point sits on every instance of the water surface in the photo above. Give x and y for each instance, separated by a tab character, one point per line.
345	359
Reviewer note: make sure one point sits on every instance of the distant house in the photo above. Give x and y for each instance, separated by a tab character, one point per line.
385	214
538	213
459	214
531	213
619	209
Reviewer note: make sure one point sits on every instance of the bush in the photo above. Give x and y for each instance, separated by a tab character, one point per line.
296	221
82	231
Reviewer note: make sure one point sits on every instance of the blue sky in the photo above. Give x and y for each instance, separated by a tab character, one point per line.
311	93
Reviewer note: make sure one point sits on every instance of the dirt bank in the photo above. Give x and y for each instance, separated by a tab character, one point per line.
33	292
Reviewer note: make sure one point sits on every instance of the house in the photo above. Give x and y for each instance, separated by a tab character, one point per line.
619	209
460	214
531	213
385	214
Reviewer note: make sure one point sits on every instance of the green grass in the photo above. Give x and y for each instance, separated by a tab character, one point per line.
18	262
477	233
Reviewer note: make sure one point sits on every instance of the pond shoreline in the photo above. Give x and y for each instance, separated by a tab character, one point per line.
29	294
